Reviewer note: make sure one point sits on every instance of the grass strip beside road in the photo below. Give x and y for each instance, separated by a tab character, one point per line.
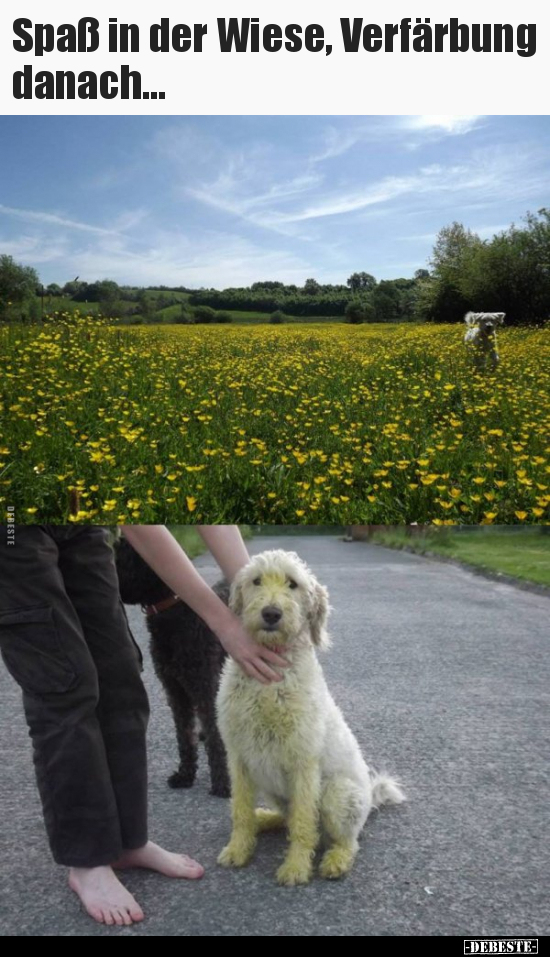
521	554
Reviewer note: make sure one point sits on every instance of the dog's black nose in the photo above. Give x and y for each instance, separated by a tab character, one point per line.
271	615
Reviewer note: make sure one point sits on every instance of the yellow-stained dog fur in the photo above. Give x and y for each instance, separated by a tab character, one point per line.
288	741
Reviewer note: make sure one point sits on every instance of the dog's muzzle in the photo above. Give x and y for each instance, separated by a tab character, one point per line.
271	616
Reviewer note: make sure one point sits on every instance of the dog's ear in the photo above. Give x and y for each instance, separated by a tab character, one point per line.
236	595
318	616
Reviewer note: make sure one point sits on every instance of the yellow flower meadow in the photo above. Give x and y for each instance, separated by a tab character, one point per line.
321	423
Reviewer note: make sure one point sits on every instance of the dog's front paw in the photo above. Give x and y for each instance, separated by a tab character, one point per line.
181	779
235	854
220	789
336	862
294	871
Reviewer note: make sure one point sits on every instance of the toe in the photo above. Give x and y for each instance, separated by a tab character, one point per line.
192	868
291	874
136	912
97	914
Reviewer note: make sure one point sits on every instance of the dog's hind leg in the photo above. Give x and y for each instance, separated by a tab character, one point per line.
184	720
302	823
217	761
344	809
243	836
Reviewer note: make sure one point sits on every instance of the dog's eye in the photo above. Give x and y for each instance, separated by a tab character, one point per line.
292	584
257	581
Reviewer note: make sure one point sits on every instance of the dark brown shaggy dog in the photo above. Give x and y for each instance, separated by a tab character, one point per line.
187	658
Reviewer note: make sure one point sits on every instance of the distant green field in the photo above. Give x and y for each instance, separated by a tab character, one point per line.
250	317
61	304
170	313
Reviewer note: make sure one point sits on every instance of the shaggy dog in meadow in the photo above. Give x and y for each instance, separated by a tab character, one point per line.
188	660
288	740
481	338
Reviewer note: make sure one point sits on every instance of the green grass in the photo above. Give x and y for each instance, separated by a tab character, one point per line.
245	318
189	539
192	543
521	554
53	304
168	314
172	312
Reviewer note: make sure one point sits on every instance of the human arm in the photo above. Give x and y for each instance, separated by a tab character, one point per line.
160	550
225	543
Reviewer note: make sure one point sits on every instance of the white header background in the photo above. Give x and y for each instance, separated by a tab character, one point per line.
212	82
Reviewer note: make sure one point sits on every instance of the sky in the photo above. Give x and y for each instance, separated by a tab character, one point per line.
230	200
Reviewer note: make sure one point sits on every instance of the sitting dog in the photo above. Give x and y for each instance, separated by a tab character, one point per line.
188	660
481	338
288	740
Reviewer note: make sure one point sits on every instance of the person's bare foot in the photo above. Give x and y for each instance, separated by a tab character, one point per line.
103	896
164	862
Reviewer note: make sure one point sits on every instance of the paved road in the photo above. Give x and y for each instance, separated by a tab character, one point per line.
444	676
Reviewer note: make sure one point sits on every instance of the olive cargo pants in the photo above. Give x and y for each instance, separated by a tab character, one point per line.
65	639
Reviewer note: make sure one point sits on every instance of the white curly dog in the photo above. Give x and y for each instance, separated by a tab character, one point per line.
481	338
288	740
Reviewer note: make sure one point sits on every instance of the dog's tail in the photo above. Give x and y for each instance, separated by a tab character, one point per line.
386	790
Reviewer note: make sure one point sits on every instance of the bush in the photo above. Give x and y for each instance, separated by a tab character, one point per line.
18	285
204	314
355	312
277	317
224	317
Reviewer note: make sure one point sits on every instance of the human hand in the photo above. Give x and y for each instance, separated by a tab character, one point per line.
254	659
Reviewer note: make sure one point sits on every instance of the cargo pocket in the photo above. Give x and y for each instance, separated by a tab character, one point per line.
33	652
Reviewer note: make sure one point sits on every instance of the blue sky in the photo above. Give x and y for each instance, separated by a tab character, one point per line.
230	200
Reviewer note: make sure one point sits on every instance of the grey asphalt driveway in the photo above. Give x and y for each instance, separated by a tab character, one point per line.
444	677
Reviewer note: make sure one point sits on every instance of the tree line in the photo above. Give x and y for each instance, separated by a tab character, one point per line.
509	273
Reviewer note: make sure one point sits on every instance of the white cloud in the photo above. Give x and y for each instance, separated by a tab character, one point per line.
166	258
336	143
52	219
451	124
486	177
221	260
36	249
